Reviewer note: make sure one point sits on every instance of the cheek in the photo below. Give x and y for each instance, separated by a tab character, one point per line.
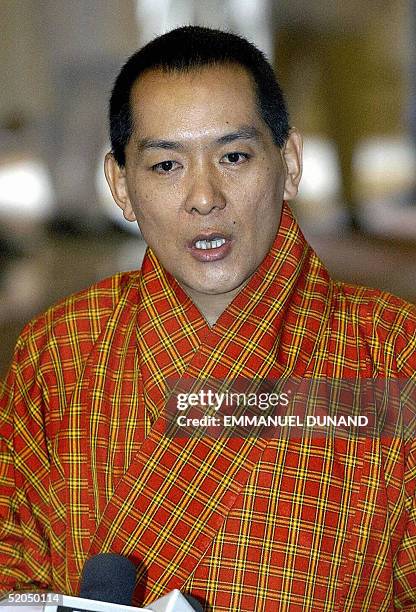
263	202
266	180
153	200
263	215
146	207
157	222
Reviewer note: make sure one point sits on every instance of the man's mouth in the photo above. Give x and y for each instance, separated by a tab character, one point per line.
214	243
210	247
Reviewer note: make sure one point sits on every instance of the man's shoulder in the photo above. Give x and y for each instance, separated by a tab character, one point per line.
379	307
387	322
82	314
53	348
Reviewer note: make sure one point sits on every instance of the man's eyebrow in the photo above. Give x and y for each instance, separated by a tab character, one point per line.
150	143
244	133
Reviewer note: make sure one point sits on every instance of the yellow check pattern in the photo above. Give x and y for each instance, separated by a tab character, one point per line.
251	524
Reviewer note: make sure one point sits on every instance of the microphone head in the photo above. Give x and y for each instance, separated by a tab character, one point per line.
194	603
108	577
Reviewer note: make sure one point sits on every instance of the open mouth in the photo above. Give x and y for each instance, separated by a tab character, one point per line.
210	247
213	243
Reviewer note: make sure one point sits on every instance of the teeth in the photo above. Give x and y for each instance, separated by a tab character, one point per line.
210	244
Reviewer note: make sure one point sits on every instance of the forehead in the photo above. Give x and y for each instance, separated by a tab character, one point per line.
211	97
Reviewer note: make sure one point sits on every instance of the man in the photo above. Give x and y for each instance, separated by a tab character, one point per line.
203	158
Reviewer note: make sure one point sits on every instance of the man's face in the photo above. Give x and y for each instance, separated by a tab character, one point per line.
203	177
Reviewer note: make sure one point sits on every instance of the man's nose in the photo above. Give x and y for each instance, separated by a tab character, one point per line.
204	194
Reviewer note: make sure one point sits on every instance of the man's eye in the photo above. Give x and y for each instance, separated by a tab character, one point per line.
165	167
235	157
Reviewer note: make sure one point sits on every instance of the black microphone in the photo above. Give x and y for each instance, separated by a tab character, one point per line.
108	577
111	578
107	581
194	603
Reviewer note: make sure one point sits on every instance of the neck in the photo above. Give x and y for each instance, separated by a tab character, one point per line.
211	306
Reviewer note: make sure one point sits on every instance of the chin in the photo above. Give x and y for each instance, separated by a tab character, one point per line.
219	288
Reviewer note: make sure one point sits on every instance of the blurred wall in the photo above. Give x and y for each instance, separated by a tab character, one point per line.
346	68
59	59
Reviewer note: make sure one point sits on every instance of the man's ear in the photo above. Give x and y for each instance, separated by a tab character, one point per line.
117	181
292	160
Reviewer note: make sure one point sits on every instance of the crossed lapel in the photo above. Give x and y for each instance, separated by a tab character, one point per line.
175	493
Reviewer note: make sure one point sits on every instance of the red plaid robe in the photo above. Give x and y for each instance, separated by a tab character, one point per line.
244	524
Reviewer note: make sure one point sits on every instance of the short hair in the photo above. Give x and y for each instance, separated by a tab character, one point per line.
192	47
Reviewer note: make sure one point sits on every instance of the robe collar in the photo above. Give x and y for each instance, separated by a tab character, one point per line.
151	497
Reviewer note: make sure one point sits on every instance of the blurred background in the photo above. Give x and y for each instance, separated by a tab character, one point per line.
349	72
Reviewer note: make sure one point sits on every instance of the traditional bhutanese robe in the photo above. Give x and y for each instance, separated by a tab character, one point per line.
242	523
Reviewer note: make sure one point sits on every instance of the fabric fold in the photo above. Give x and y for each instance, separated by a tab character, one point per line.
173	498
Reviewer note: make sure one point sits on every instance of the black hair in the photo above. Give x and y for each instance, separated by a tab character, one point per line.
192	47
